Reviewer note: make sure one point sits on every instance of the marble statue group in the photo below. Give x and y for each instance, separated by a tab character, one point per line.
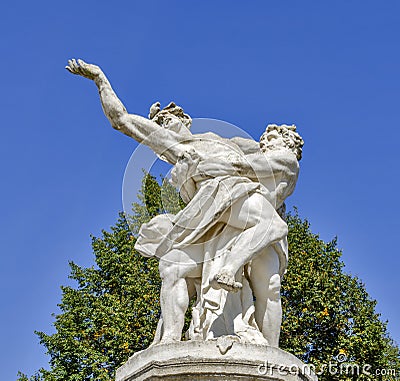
227	249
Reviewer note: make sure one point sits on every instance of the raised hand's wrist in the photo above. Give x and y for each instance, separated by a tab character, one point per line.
101	80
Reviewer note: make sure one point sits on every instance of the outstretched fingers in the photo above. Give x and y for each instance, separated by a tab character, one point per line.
73	66
80	67
82	63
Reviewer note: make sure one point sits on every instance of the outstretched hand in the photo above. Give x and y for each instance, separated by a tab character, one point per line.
82	68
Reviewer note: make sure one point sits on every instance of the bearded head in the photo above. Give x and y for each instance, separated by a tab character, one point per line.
282	137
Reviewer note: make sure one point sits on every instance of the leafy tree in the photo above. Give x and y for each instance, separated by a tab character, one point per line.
328	316
113	311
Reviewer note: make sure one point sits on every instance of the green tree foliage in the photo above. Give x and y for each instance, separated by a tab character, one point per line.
113	310
328	316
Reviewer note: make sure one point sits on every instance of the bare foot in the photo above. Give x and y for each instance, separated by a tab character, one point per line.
226	280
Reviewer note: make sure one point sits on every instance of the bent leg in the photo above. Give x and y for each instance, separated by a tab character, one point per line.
174	267
266	286
261	225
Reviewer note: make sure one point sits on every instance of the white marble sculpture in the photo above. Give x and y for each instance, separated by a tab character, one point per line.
228	246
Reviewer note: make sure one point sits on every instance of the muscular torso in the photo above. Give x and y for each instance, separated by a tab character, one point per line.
210	156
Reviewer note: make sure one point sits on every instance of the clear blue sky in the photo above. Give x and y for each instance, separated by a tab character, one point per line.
332	68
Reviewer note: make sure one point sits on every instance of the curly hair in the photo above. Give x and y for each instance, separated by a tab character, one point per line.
160	116
292	140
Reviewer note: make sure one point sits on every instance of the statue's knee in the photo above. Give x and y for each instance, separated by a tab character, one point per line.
168	272
275	287
279	230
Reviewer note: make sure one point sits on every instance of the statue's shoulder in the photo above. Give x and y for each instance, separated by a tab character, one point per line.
208	136
216	141
283	159
244	145
247	146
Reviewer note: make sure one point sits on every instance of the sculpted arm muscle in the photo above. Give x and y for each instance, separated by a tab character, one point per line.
161	141
254	166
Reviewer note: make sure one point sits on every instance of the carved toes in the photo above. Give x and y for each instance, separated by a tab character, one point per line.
226	280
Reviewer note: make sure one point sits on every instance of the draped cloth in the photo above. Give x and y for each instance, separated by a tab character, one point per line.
216	312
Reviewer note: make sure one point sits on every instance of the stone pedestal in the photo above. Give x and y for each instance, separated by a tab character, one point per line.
205	361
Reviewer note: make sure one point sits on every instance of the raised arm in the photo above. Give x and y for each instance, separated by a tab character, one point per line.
163	142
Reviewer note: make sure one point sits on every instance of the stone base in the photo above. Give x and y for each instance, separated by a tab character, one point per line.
204	361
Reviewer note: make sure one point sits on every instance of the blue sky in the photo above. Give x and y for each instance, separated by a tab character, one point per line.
332	68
